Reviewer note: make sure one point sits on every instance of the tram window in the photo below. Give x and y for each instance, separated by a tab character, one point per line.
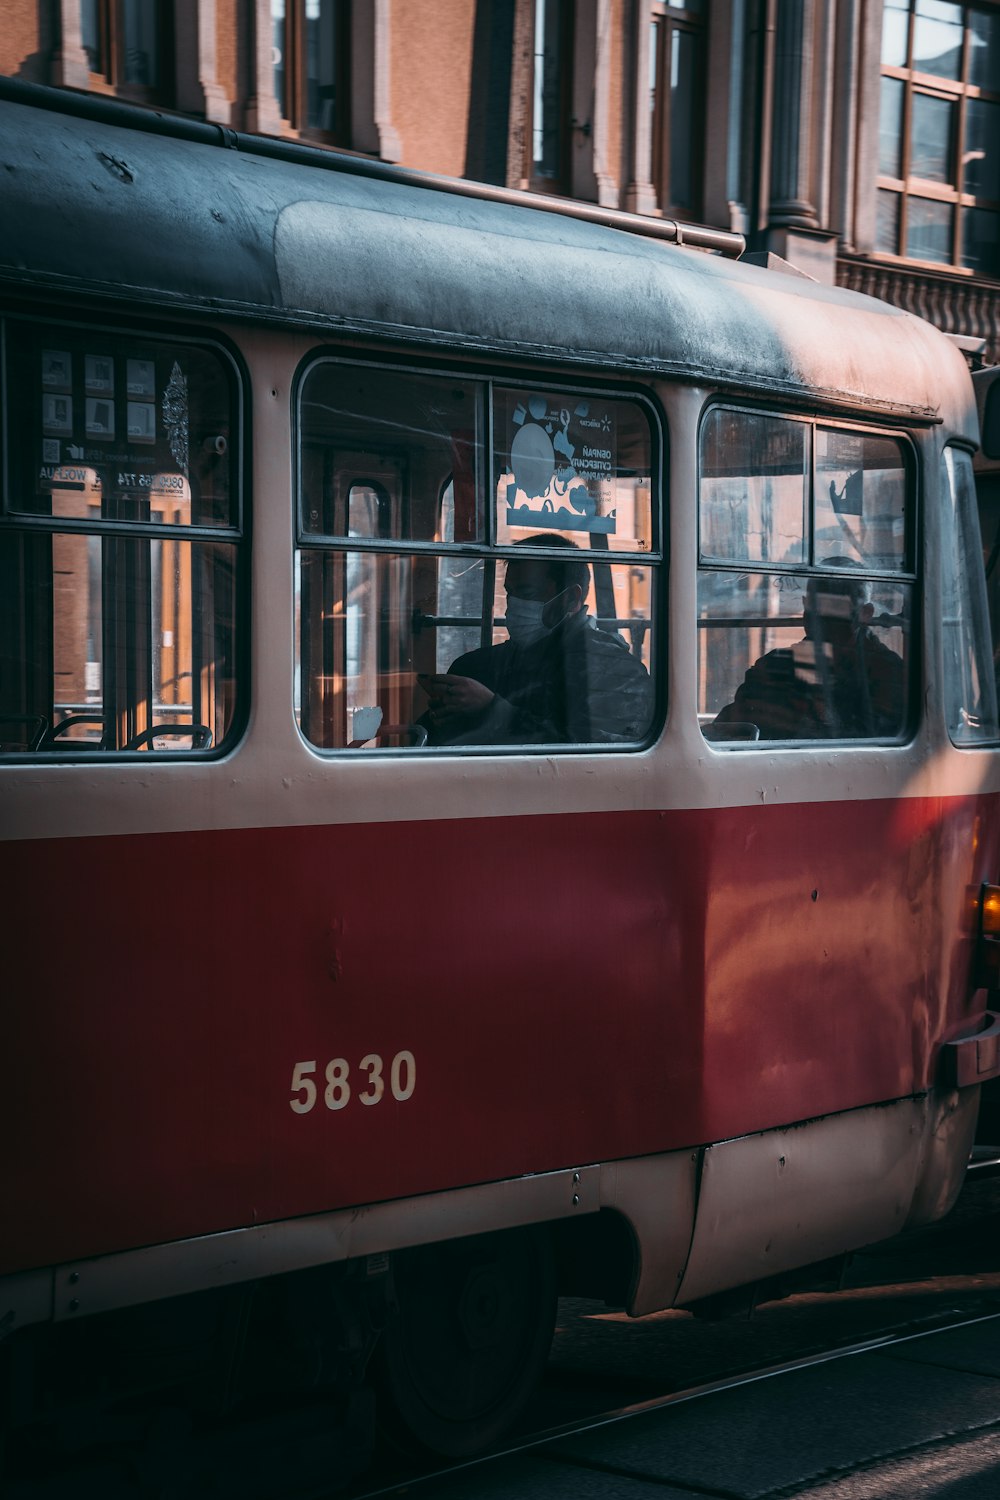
860	499
969	669
427	619
799	639
119	546
754	478
398	437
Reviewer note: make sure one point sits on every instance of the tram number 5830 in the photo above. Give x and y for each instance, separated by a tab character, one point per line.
339	1089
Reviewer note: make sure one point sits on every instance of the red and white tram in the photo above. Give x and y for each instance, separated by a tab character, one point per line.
328	1006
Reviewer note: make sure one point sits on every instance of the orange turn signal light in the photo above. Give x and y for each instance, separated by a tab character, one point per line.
989	908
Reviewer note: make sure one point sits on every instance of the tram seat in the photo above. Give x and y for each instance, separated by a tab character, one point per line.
30	731
201	736
58	737
720	733
416	732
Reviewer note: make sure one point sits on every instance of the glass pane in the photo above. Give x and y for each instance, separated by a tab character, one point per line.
887	222
895	33
322	63
981	240
937	39
970	701
929	230
684	79
278	53
982	149
403	438
547	113
786	657
116	643
754	474
577	465
932	121
141	22
90	35
107	427
860	500
890	128
984	49
409	652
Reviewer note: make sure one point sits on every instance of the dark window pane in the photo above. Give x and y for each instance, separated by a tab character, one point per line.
279	54
90	31
895	31
929	230
984	49
140	22
322	63
684	66
890	130
981	241
937	39
887	224
930	138
982	149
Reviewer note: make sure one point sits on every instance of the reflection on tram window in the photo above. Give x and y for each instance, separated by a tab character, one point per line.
860	499
754	477
801	656
119	624
526	623
799	638
969	677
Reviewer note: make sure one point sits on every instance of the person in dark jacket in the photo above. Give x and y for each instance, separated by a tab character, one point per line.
558	679
839	682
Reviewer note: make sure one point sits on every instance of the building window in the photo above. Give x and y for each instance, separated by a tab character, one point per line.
549	135
311	58
677	103
939	135
128	43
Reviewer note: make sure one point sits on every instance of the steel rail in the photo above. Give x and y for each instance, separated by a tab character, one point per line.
534	1442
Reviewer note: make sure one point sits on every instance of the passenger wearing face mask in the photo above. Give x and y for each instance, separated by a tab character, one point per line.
558	679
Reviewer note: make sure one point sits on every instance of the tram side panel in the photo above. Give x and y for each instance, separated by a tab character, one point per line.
311	1040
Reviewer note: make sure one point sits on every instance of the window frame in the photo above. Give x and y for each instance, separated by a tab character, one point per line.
112	70
293	102
236	534
559	182
908	188
667	20
488	550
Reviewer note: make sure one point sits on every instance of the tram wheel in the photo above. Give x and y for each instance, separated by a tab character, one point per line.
466	1340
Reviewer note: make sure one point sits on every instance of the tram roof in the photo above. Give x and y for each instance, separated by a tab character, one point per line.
161	219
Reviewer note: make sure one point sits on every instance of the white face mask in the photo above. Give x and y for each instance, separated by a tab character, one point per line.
524	620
